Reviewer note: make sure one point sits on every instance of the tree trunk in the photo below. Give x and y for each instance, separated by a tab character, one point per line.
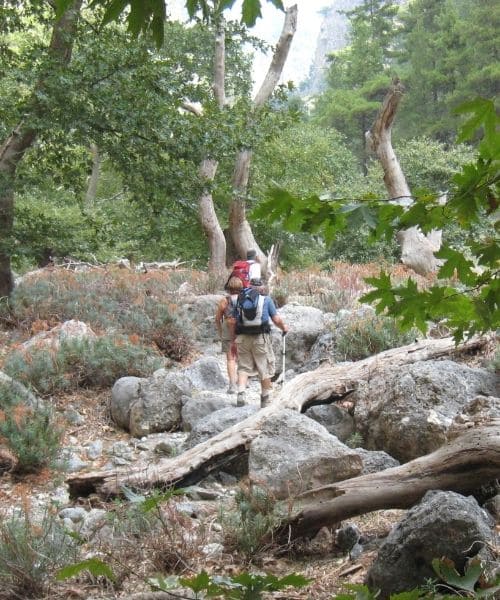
210	223
21	139
93	180
323	386
240	229
208	169
417	249
462	465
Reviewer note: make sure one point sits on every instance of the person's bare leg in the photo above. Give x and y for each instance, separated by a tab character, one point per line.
265	391
242	384
231	372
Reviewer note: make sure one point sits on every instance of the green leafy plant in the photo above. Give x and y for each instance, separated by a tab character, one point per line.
245	586
30	554
355	440
470	302
33	435
469	585
366	336
91	363
249	528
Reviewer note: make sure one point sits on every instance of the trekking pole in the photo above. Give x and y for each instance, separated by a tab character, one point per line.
283	356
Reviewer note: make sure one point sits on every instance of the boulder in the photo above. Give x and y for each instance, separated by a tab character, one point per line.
293	454
201	405
335	419
306	323
69	330
159	403
375	460
216	422
124	392
205	374
443	524
407	412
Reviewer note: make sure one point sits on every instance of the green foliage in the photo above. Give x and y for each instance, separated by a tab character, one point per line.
91	363
472	304
94	566
30	553
245	586
469	585
145	17
33	435
368	335
355	440
249	528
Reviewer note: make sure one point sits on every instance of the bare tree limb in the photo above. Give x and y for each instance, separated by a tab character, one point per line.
323	386
462	465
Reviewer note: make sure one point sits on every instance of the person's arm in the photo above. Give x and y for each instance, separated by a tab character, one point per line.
219	316
278	321
275	317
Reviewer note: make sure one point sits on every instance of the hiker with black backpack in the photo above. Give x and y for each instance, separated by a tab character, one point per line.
225	321
255	312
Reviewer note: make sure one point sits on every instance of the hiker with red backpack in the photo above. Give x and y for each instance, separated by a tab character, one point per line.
225	321
255	312
246	270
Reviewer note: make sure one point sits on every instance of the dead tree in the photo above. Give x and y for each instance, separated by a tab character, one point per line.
417	249
240	229
461	465
328	384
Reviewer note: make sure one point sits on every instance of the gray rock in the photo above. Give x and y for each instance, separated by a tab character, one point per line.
198	312
216	422
294	453
75	514
124	392
335	420
201	405
73	416
493	507
347	537
442	524
158	405
94	449
376	460
205	374
306	323
407	411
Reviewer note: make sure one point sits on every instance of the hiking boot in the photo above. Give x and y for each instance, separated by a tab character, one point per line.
265	401
240	399
232	388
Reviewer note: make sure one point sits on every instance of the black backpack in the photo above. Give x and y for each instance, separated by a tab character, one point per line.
250	307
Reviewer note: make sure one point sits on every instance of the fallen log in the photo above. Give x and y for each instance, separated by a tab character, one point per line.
462	465
325	385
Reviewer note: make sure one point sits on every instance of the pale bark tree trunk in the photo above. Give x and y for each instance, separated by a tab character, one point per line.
417	249
208	169
93	180
21	139
240	229
462	465
322	386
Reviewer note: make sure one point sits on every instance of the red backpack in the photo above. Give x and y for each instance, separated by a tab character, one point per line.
241	269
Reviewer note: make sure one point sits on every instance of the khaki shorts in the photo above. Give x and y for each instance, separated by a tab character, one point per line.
255	352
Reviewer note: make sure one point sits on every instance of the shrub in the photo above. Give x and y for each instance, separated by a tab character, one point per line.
249	528
129	303
33	436
30	553
81	363
366	336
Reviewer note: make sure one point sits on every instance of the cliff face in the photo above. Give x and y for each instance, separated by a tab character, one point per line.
333	35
